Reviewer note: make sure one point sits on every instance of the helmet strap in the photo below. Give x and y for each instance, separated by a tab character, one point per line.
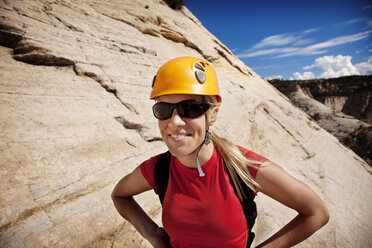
207	140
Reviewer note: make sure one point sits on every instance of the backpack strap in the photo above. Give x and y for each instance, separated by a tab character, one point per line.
161	174
249	206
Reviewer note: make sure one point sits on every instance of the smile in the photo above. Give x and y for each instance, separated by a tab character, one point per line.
178	136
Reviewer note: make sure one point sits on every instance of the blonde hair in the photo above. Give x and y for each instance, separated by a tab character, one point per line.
236	163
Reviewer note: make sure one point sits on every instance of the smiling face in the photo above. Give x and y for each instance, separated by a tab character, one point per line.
182	135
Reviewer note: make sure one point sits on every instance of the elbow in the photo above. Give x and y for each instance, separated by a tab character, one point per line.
323	216
319	217
114	195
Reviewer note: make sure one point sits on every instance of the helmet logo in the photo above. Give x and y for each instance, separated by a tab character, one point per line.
199	73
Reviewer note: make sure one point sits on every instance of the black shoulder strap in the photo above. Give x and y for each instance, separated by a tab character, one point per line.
249	206
161	174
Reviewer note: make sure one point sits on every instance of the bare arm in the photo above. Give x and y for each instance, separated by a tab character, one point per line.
312	213
122	196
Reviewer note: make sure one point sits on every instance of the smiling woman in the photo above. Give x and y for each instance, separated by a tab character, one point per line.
205	183
183	135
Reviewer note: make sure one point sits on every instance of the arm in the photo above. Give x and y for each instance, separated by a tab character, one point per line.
312	213
122	196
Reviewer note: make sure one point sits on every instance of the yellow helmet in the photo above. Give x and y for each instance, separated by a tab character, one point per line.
186	75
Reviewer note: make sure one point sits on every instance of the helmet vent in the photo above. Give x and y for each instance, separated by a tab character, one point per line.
197	66
200	75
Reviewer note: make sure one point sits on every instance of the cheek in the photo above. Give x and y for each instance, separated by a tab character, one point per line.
198	124
161	126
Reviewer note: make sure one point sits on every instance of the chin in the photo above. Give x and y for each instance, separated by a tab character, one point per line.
180	151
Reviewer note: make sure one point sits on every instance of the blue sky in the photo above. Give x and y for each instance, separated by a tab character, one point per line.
293	39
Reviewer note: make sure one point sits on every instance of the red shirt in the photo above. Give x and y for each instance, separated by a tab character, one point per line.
202	211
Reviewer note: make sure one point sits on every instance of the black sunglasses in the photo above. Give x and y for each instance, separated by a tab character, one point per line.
185	109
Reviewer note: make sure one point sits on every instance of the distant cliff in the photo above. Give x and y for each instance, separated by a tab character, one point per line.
346	110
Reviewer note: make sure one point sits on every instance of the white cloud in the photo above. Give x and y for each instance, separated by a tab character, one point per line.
274	77
285	39
297	41
302	42
351	22
319	47
306	75
340	40
310	30
335	66
276	40
267	52
365	68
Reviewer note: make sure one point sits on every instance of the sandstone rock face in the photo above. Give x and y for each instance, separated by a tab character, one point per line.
75	117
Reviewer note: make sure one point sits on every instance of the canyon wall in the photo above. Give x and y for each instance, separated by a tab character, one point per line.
351	95
75	117
345	110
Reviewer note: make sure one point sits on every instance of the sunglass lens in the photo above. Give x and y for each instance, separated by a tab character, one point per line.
162	110
186	109
192	109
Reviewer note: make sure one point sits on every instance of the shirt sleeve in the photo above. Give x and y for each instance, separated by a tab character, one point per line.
148	169
254	157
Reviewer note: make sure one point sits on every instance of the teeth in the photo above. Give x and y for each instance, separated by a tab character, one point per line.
178	136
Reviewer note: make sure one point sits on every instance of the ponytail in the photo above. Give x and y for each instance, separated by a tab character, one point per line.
236	163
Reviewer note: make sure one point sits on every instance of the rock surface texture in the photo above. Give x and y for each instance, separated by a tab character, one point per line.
75	117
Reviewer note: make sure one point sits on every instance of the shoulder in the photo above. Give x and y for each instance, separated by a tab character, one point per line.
252	155
255	160
148	169
150	163
139	180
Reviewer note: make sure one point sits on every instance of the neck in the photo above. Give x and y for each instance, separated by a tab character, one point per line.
205	154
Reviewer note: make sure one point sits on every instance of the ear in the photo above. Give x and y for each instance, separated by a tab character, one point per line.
213	114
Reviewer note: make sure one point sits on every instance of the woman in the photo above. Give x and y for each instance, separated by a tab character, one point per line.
201	207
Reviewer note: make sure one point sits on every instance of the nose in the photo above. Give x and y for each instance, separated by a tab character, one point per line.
175	119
